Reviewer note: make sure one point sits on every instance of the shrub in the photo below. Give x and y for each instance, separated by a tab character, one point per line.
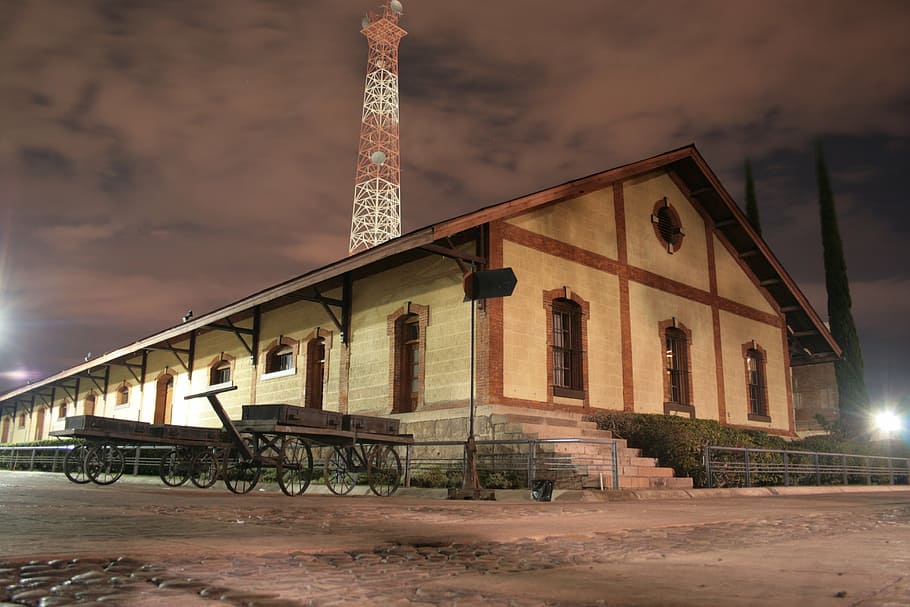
679	442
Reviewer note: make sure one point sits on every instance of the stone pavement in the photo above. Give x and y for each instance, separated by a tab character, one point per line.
136	543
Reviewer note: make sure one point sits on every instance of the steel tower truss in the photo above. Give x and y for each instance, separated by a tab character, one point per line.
377	185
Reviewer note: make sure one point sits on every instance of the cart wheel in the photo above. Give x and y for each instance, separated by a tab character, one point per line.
340	477
241	475
74	465
295	467
204	468
104	464
174	468
383	470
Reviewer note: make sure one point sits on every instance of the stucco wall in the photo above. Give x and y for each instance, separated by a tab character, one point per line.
687	265
525	326
735	284
648	308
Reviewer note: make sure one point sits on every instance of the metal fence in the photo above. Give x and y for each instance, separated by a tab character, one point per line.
141	459
517	463
740	467
501	464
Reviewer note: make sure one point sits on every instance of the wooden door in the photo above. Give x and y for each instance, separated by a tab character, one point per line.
163	398
39	424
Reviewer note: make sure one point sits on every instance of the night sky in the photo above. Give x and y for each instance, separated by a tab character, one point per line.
161	156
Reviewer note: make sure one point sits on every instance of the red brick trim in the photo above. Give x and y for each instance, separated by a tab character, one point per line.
594	260
669	406
221	357
393	330
788	382
715	323
494	315
273	345
543	406
625	306
548	298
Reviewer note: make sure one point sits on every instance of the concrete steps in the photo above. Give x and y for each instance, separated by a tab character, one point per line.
585	465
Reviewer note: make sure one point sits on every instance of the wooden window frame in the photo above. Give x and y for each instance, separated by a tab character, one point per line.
580	309
401	398
756	394
217	364
122	395
316	375
61	411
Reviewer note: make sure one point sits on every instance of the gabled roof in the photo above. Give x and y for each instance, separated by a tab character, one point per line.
813	340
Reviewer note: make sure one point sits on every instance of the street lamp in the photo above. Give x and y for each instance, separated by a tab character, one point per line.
887	423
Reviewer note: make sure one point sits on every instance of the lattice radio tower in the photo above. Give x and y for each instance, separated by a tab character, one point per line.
377	185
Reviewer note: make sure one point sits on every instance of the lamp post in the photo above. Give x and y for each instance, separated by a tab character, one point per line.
485	284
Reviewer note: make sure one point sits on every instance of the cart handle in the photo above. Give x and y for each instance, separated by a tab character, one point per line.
226	422
210	392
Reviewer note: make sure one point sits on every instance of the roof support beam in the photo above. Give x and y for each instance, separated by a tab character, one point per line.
769	282
749	253
240	332
188	364
787	309
723	223
325	306
805	333
700	191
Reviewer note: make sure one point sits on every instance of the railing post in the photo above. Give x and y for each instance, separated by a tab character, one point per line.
31	462
136	461
407	466
532	456
818	472
708	473
54	462
786	470
846	476
746	462
614	453
890	472
868	472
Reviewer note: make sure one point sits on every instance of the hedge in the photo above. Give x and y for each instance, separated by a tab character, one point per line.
678	442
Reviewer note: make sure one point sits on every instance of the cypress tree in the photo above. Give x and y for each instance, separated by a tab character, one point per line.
849	369
751	203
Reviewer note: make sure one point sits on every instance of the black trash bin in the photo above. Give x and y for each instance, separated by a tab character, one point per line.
542	490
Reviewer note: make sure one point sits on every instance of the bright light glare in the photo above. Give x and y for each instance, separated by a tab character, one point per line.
18	374
887	422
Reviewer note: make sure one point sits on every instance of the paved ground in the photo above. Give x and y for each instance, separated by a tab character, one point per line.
141	544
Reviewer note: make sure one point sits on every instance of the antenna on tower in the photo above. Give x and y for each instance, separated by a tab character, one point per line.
377	182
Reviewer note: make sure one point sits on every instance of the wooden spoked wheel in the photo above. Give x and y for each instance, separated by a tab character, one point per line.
74	465
340	473
295	465
104	464
174	468
204	467
241	474
383	470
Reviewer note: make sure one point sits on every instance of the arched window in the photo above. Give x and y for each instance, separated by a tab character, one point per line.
220	373
123	395
677	367
756	384
5	437
567	360
279	358
22	420
407	331
61	412
676	341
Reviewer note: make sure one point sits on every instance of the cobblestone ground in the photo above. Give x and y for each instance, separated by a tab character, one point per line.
423	566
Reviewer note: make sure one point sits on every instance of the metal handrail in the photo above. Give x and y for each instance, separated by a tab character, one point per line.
532	460
809	467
